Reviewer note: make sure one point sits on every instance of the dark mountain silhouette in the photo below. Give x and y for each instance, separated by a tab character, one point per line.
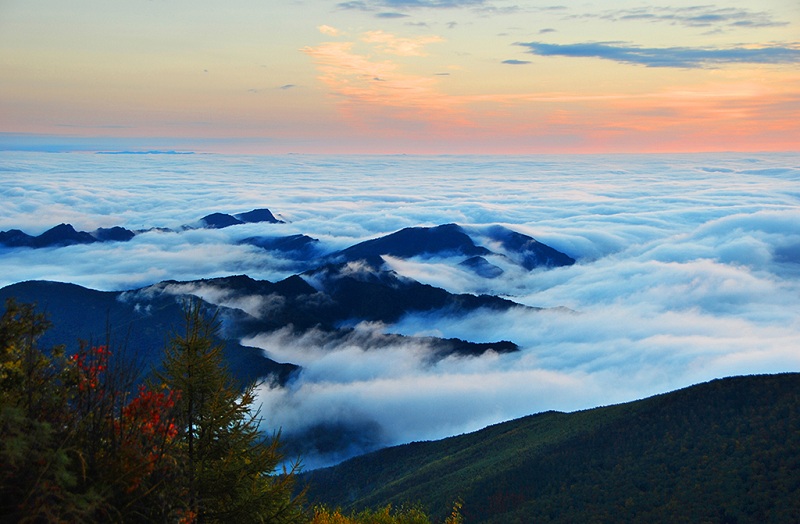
16	238
481	267
219	221
722	451
527	251
451	240
222	220
66	235
298	247
341	296
365	290
62	235
113	234
337	297
138	326
447	239
258	215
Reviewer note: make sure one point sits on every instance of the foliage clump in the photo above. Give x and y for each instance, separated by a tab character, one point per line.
385	515
77	445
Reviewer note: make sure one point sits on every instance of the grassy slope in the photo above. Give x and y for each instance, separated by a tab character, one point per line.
723	451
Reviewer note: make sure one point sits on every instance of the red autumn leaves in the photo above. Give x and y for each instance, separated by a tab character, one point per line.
141	431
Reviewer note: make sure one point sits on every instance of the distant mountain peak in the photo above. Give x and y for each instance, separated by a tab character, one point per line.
223	220
481	267
66	235
526	250
446	239
258	215
219	221
298	247
63	235
15	238
453	240
113	234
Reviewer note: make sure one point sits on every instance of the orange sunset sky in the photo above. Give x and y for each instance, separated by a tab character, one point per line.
400	76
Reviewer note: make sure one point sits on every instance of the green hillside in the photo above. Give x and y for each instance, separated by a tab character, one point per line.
723	451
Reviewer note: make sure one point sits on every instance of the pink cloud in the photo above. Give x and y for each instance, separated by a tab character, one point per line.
377	95
376	92
389	43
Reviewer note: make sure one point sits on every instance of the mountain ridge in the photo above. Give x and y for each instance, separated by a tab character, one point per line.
341	299
724	450
64	235
446	240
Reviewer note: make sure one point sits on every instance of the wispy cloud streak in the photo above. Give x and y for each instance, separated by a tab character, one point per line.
372	5
681	57
702	16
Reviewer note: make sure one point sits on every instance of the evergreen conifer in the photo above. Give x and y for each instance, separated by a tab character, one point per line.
230	465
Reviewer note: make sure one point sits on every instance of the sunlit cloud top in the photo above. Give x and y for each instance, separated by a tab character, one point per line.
400	76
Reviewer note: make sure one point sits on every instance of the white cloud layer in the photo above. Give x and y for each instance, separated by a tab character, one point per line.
688	269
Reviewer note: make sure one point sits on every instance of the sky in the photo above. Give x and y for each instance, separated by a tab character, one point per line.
688	269
400	76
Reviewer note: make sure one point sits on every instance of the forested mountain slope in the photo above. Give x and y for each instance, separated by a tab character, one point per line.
722	451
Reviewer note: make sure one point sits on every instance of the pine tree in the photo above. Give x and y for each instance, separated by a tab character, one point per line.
230	466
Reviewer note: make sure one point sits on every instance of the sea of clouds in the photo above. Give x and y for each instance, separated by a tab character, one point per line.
688	270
